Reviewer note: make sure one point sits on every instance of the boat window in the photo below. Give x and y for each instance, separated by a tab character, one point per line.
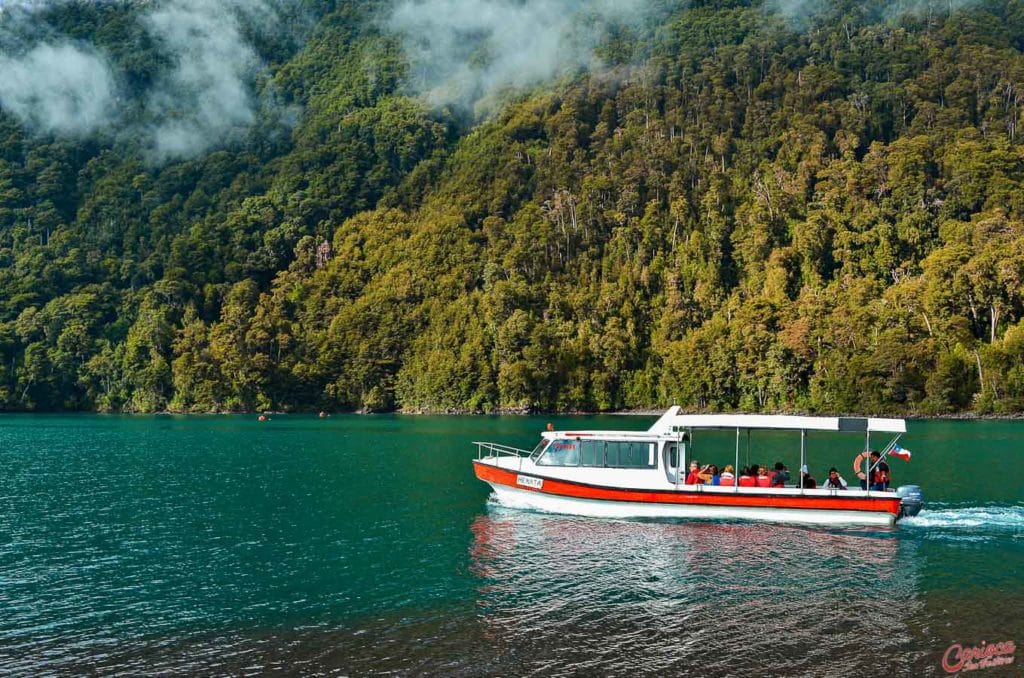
592	452
561	453
630	455
671	457
538	449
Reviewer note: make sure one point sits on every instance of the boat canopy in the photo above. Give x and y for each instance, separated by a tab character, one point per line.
672	421
631	436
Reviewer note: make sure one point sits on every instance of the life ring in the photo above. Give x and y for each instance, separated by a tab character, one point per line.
857	464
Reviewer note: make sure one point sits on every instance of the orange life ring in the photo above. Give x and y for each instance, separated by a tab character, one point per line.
857	465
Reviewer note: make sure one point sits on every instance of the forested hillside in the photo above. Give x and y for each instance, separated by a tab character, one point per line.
738	209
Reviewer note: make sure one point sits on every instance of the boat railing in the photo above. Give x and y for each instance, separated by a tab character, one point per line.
495	450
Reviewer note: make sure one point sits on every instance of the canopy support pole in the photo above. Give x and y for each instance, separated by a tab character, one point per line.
736	469
803	457
867	462
685	458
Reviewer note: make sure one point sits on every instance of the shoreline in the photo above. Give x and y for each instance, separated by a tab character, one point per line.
518	412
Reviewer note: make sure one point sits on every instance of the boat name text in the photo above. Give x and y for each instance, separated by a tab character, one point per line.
527	481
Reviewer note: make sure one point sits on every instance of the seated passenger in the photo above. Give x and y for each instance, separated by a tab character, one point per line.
693	478
712	476
806	480
762	477
727	478
835	481
748	477
780	476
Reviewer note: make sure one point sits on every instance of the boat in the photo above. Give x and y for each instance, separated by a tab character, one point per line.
642	474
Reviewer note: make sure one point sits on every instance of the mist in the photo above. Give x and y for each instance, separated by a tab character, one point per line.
468	52
62	88
205	99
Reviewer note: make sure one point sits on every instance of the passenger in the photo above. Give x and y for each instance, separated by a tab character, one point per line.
762	477
807	481
714	478
748	477
693	478
727	478
705	474
780	476
879	476
835	481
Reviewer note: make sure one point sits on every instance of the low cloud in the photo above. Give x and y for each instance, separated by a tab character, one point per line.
60	88
205	99
466	52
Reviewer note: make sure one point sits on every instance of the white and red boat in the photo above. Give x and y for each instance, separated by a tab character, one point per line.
641	474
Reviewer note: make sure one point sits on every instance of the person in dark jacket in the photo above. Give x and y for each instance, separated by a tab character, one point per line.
781	475
835	481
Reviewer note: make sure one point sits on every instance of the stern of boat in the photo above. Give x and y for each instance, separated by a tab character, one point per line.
911	500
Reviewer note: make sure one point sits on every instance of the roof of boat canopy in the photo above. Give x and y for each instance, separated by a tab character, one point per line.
622	436
672	421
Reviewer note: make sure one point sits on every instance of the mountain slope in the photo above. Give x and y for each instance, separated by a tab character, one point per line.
736	211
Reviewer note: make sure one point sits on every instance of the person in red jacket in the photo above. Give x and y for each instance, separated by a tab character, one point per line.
879	475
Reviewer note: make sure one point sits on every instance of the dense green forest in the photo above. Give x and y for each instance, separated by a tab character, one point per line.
734	211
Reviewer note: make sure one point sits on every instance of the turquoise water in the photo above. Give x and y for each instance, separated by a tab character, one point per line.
364	545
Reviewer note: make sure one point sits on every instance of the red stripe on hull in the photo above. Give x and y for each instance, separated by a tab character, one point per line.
565	488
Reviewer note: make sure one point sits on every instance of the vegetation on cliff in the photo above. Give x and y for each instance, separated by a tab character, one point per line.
735	212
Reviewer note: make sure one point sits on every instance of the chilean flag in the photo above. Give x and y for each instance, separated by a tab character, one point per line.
898	451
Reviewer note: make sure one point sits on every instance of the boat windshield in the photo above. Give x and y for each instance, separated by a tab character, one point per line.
538	449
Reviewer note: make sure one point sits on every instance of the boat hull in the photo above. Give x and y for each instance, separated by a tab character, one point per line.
562	496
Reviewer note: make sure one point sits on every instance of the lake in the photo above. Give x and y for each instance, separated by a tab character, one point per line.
363	545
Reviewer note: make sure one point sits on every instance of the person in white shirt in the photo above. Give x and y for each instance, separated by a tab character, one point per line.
835	481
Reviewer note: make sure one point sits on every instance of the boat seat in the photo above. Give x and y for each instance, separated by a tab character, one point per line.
726	482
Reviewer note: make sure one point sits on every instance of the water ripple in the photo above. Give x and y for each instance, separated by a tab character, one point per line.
156	546
707	598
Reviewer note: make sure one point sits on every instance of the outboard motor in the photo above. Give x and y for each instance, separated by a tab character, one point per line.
911	500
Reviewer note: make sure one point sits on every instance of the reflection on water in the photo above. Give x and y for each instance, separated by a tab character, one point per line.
565	595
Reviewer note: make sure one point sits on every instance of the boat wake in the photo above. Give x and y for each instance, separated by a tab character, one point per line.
940	521
970	522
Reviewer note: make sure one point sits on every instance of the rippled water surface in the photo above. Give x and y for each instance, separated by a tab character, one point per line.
363	546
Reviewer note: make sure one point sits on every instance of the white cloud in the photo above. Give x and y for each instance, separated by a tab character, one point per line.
60	89
464	51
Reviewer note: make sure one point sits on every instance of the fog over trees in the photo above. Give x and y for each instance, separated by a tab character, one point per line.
302	205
